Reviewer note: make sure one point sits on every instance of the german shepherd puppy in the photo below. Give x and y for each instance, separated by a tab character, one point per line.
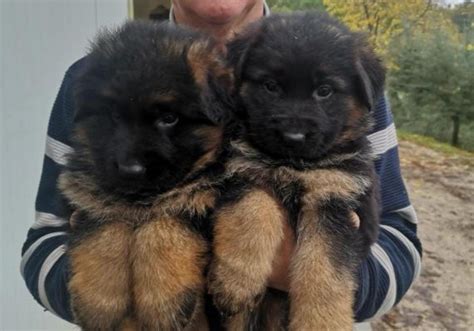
305	88
147	129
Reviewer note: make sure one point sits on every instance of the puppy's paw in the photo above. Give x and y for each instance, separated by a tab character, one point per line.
172	314
232	291
99	284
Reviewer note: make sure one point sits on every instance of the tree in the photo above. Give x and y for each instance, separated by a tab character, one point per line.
432	85
384	20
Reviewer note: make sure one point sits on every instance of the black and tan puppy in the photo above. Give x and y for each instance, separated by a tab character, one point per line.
147	127
306	86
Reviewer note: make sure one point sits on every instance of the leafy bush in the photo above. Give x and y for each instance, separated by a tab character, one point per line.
432	86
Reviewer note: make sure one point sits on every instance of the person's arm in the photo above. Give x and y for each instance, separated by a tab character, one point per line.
395	260
44	265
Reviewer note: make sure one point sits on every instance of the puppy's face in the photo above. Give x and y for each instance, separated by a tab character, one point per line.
306	84
144	118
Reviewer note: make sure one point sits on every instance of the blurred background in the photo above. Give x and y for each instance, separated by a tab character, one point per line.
428	48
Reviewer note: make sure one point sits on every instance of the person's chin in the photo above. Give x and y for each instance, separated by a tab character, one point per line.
219	12
220	18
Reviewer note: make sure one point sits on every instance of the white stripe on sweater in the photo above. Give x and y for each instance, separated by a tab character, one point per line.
391	295
411	248
408	213
383	140
57	151
43	274
29	252
45	219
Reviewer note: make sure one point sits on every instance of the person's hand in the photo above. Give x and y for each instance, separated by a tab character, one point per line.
279	279
74	219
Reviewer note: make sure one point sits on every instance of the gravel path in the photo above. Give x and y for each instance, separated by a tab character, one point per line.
442	191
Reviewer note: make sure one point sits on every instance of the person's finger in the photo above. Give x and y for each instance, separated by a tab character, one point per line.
355	220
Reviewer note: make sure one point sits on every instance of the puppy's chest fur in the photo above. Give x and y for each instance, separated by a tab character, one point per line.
190	202
298	189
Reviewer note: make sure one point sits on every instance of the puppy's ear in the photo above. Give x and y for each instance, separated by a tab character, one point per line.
90	90
370	74
218	96
84	92
214	78
238	48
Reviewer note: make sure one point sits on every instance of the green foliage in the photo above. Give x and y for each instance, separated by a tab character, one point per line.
432	87
463	15
291	5
384	20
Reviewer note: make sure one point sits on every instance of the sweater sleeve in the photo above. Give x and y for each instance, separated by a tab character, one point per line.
395	259
44	266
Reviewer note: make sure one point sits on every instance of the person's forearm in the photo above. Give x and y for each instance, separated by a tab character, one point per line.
44	264
387	274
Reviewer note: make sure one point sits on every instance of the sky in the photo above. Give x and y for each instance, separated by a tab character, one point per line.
453	2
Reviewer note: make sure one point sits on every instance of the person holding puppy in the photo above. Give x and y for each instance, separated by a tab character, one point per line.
383	278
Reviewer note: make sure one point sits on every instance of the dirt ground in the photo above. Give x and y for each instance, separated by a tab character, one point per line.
442	191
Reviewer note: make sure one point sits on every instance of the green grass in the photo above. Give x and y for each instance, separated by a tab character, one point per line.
434	144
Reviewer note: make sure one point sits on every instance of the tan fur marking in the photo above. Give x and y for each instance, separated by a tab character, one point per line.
195	200
204	59
353	128
321	295
168	263
99	285
167	97
212	139
247	235
211	135
204	160
327	183
81	190
199	60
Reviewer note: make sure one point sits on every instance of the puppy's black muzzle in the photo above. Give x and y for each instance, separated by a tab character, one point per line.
293	130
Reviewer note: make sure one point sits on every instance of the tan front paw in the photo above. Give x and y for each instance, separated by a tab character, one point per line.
233	291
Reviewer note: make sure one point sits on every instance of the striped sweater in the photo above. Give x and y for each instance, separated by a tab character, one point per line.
385	276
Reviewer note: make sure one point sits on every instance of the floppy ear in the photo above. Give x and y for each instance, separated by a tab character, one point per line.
218	94
370	74
85	91
238	48
214	77
89	91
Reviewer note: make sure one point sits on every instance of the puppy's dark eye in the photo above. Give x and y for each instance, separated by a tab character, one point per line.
323	92
271	86
167	120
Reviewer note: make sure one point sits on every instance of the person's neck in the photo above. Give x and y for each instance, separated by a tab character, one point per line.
219	30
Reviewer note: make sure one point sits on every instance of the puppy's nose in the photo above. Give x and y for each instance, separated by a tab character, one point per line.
294	137
131	168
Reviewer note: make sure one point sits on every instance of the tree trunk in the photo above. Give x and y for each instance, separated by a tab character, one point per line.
455	136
